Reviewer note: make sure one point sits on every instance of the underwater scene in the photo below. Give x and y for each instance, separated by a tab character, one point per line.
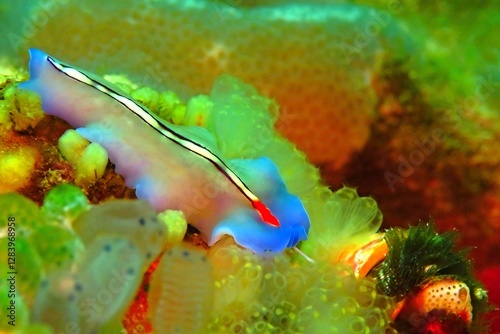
249	166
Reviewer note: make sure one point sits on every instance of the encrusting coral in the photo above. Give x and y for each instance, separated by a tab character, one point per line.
180	44
283	294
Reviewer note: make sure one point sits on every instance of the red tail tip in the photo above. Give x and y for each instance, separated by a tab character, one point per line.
266	214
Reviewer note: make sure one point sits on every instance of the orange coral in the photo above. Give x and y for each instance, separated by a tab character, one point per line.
311	61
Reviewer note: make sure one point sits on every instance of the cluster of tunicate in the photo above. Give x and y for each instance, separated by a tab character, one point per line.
77	266
280	295
182	291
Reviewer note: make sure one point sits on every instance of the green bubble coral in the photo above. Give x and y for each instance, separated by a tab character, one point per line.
26	213
58	246
93	293
27	263
64	203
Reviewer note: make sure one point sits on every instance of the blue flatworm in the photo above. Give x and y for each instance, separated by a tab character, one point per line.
174	167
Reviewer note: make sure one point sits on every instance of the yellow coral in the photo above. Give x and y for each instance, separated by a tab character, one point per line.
25	108
5	120
92	164
16	167
176	226
198	111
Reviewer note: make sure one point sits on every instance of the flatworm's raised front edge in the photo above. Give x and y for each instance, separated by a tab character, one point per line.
160	126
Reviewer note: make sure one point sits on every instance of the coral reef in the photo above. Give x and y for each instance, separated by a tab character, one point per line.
417	130
281	294
349	79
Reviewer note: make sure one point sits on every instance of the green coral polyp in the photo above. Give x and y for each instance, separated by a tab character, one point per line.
27	214
58	246
279	296
64	203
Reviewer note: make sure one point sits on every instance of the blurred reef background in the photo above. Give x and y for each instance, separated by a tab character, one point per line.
399	99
